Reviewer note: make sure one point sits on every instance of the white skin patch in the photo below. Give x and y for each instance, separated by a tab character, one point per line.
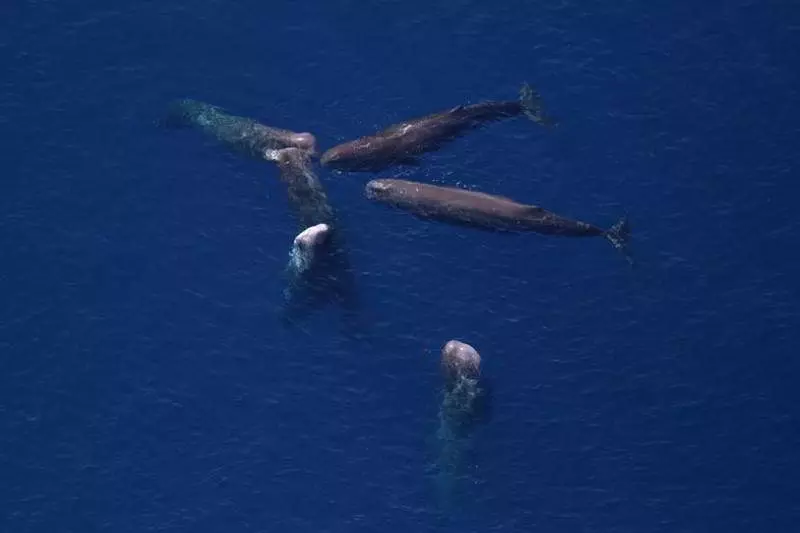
304	247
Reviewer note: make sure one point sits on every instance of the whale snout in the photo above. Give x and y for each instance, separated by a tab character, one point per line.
460	360
377	189
306	247
305	141
312	237
331	157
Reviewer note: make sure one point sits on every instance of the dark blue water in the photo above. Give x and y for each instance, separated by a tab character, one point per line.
148	385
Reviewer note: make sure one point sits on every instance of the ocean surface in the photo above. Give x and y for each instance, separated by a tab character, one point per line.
147	383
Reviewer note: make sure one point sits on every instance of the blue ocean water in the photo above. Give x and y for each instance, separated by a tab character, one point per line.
148	385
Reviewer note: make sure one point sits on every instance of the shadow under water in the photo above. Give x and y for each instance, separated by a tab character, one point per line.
466	404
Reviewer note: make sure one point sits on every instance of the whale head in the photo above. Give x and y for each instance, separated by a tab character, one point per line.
304	141
334	157
459	361
306	246
378	189
358	155
312	237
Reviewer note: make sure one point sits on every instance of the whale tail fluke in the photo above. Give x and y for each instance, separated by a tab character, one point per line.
619	236
178	114
532	106
186	112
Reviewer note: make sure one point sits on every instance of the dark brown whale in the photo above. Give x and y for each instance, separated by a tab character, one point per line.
485	211
403	142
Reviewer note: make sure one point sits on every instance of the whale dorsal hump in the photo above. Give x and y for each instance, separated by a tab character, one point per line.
397	129
534	210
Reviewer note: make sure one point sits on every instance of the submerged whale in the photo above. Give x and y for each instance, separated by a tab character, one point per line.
465	405
485	211
241	134
462	405
319	269
403	142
